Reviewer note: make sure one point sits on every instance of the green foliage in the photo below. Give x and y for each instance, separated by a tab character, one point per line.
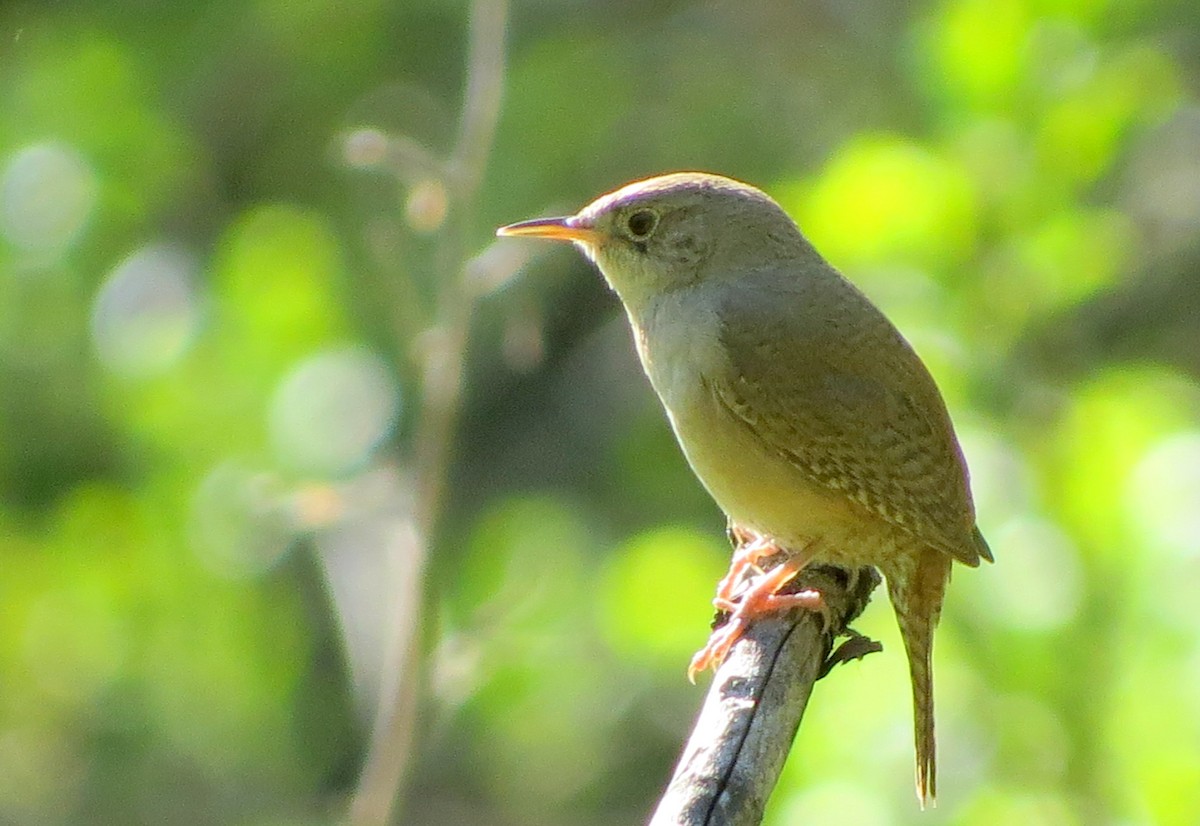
214	315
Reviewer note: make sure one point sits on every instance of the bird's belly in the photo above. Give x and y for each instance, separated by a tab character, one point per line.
755	488
764	492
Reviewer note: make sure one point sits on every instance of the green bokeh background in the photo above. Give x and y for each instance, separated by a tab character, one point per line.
212	311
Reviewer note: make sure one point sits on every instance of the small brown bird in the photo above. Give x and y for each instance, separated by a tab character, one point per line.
802	410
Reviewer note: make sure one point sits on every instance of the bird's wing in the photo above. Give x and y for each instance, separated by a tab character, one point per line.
822	379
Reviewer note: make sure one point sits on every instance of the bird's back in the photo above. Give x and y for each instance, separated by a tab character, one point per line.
821	379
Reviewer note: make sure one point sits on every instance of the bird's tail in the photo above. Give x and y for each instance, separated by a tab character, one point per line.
917	599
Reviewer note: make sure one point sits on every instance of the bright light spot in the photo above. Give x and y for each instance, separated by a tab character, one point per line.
239	526
365	148
1163	494
1036	584
146	312
332	410
427	204
47	192
979	46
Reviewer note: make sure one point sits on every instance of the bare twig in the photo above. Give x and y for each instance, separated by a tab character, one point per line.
753	710
440	400
485	88
442	388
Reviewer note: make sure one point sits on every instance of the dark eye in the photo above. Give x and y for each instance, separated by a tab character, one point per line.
642	223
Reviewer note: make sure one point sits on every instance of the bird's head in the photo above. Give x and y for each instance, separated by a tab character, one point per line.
661	234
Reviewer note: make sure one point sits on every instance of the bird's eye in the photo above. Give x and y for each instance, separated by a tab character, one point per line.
642	223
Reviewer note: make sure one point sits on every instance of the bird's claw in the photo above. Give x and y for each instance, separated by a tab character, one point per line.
759	597
745	558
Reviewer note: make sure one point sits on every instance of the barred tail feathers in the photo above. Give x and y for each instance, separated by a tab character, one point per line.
917	586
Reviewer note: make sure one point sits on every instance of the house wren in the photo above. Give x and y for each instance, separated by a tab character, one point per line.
806	415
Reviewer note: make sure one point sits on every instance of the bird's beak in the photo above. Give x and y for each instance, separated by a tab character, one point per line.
558	229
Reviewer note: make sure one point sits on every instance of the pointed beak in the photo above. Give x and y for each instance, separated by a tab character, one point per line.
558	229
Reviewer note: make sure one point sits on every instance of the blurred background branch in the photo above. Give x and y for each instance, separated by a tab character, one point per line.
440	355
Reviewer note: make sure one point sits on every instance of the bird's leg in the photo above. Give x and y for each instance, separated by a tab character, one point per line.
760	597
751	547
739	535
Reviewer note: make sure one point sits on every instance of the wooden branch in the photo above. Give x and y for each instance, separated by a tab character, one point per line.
753	710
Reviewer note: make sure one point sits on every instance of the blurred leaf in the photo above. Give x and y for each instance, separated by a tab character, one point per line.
1110	425
656	595
978	50
883	198
277	286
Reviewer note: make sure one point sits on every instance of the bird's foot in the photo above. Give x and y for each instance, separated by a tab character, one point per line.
751	548
760	597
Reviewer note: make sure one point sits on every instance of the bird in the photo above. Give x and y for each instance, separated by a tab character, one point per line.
800	407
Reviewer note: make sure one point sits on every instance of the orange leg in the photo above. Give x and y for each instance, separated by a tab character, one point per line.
759	598
750	550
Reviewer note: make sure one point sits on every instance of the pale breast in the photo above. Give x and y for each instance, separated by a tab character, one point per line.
679	346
